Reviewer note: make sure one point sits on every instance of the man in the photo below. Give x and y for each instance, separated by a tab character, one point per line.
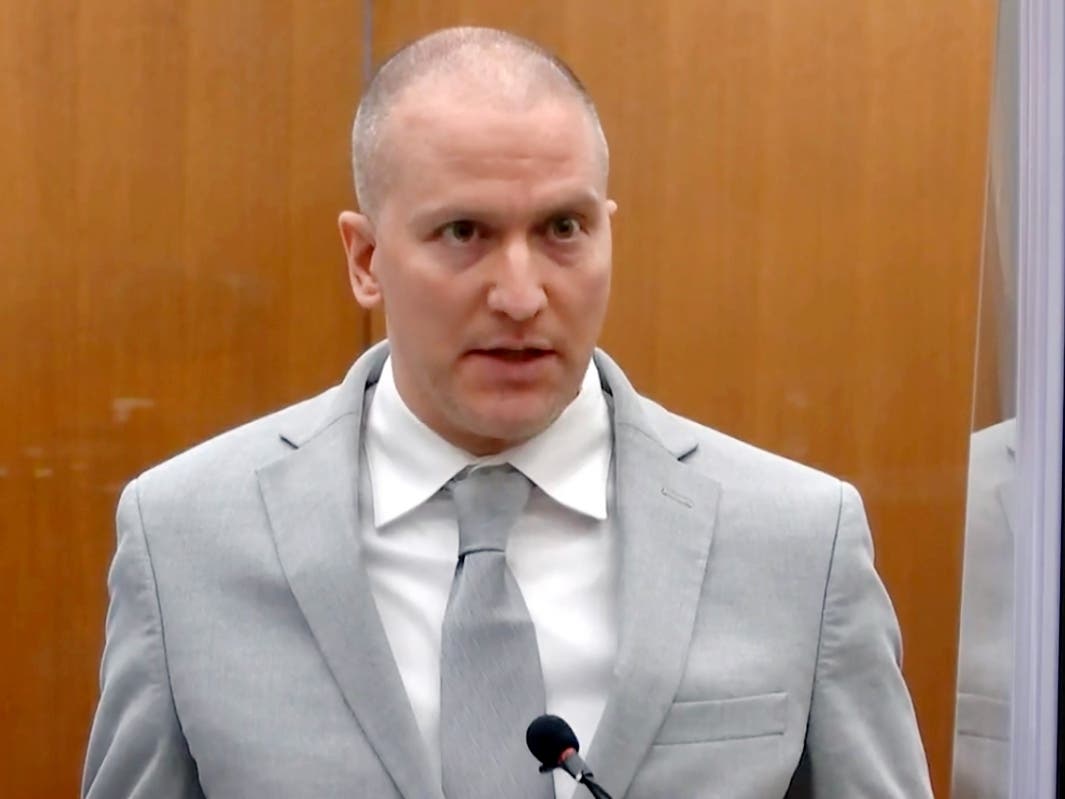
297	607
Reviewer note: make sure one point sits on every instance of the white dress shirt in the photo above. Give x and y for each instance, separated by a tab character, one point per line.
562	552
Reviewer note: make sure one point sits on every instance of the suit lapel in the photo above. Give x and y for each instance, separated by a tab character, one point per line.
311	497
665	512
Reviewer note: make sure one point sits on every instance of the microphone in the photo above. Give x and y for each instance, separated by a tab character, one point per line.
553	742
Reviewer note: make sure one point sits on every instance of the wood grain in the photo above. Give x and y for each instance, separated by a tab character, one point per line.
172	173
801	188
798	243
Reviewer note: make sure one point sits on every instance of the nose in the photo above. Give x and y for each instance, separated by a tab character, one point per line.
517	290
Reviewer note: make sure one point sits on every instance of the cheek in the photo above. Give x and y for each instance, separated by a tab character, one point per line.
408	282
427	306
582	298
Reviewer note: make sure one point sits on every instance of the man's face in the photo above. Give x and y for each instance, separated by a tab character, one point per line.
491	253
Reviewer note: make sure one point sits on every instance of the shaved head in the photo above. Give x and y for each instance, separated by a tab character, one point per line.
465	65
484	232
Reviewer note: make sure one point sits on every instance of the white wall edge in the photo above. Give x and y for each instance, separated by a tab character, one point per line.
1041	262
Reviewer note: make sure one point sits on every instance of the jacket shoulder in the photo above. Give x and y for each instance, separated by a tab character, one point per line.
729	460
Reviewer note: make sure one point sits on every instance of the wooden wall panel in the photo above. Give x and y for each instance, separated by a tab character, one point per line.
797	246
171	176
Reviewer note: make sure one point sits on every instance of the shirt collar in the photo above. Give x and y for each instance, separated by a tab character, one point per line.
409	462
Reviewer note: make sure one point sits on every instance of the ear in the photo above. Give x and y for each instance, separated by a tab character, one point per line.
611	207
356	230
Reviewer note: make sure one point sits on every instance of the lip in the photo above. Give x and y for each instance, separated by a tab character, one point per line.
526	362
510	352
515	344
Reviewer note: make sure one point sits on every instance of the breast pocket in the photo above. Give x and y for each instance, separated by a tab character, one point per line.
724	719
735	748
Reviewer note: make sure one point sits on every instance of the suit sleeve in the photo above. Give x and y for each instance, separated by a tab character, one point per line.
136	747
862	739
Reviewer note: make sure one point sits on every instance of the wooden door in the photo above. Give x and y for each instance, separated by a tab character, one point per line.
171	172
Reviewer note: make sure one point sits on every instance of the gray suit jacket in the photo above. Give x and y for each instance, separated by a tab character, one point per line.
758	651
985	646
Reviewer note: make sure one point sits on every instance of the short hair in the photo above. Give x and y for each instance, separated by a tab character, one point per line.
515	64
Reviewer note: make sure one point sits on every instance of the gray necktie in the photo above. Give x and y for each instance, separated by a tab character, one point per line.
491	685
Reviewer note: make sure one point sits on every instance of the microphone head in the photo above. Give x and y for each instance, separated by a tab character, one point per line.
549	738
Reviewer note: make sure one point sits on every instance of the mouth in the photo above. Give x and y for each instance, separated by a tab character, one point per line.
514	355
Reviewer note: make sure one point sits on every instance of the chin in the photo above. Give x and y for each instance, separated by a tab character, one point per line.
514	430
509	430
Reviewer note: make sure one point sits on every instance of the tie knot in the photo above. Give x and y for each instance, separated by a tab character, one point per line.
488	502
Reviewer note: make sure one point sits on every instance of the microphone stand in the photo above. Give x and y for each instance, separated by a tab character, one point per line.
594	788
581	775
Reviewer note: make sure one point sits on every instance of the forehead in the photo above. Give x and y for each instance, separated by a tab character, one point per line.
456	143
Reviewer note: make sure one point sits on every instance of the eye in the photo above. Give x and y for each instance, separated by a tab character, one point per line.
564	228
461	231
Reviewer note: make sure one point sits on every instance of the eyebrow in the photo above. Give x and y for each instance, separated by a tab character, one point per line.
447	211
